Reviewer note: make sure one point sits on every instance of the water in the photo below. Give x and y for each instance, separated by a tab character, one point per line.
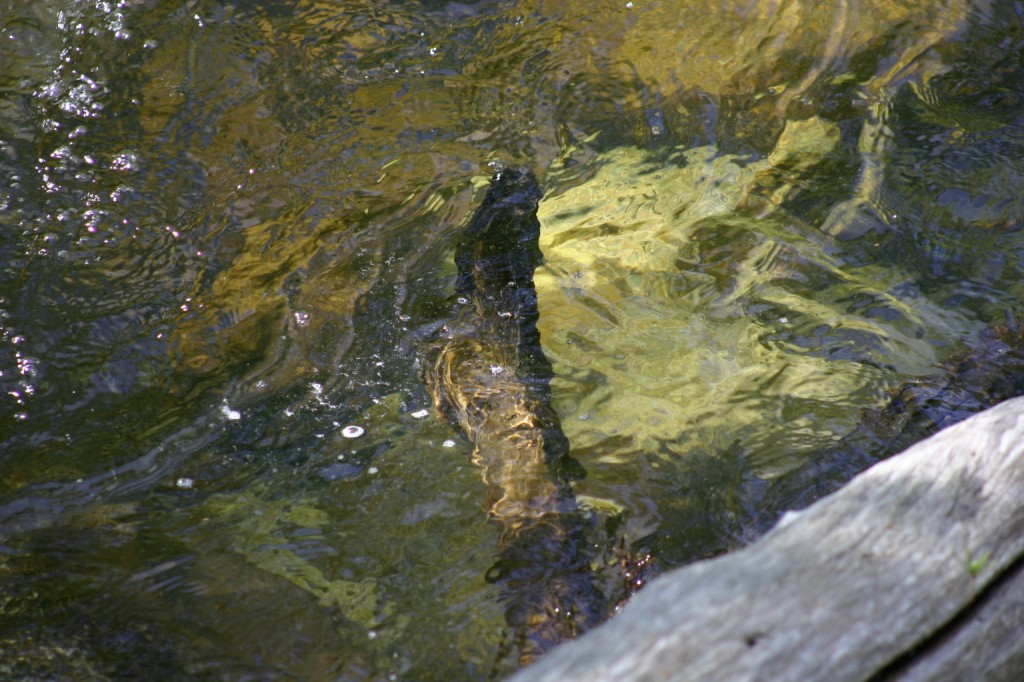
224	229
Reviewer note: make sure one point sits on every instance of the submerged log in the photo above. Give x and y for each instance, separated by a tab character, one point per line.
913	571
485	369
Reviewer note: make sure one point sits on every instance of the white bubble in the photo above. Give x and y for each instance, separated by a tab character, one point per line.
420	414
232	415
352	431
126	161
449	443
185	483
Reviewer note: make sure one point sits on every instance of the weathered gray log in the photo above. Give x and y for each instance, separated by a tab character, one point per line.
911	572
986	642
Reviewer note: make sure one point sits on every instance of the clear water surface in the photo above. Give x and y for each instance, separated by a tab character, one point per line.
226	226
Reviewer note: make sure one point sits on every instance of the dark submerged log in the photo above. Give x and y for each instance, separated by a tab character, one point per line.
913	571
487	372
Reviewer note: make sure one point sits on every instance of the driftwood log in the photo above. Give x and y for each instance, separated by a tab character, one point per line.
912	571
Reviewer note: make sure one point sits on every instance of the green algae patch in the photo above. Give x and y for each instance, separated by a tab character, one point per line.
260	535
683	306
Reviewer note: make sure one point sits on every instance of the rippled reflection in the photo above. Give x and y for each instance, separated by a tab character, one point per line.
225	227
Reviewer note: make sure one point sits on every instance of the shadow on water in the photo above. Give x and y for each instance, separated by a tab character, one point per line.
226	232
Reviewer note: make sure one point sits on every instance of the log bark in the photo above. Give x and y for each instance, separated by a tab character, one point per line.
912	571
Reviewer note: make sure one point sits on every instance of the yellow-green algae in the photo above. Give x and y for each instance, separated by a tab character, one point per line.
256	527
657	339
